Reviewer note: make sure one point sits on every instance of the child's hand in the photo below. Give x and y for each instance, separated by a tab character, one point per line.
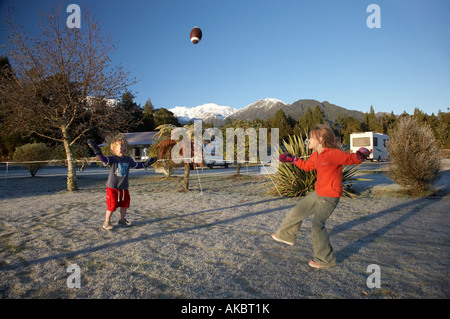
94	147
150	161
288	158
362	154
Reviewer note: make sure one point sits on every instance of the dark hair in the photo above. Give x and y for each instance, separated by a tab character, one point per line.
327	135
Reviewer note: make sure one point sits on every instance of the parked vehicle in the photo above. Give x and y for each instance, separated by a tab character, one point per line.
211	153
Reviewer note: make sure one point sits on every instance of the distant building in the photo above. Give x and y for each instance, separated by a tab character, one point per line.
139	144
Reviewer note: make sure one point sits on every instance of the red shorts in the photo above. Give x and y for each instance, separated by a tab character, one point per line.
117	198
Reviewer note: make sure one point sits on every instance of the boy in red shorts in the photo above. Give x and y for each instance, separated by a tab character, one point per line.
117	194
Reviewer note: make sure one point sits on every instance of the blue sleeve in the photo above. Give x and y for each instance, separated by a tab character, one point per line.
103	158
139	165
132	163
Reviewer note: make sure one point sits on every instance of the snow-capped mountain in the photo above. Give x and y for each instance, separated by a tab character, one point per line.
261	109
209	113
265	109
266	103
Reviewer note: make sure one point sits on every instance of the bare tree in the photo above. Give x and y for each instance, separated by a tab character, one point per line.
61	84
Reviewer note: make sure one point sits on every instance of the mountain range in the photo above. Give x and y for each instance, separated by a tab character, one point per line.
261	109
209	113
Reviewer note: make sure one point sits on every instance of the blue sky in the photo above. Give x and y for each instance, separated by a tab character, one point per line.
283	49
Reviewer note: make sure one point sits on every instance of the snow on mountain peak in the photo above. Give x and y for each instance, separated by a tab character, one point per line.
272	100
213	112
265	103
205	111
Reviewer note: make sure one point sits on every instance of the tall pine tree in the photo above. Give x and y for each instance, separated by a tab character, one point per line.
280	121
370	123
318	117
148	121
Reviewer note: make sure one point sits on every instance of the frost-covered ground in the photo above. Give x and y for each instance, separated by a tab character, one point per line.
214	241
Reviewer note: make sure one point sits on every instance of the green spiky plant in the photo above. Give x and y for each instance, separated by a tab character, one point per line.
291	181
348	173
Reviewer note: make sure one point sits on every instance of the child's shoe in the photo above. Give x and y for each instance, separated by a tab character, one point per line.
124	222
107	225
320	266
282	240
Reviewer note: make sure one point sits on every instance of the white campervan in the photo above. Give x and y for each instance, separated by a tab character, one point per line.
376	143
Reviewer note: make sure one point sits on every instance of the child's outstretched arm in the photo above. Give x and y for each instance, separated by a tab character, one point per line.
97	151
147	163
344	158
294	160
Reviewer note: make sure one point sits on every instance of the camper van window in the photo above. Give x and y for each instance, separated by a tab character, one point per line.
361	141
375	141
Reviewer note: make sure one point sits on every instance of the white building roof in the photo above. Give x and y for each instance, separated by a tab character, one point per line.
140	138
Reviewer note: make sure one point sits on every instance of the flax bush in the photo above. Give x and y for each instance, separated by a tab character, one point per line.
290	180
414	156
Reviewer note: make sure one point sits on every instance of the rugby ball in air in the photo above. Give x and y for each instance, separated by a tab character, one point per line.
196	35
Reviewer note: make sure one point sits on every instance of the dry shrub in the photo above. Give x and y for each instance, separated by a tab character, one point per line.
414	156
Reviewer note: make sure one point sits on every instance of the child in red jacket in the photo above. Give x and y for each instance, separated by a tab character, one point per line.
327	160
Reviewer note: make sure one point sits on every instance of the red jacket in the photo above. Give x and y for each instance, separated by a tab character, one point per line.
328	165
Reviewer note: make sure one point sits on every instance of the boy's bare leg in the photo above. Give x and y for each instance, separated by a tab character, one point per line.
108	216
123	212
107	224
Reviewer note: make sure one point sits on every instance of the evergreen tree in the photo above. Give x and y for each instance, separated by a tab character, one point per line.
280	121
304	124
318	117
133	109
347	125
148	121
164	116
370	123
441	128
419	117
387	122
353	126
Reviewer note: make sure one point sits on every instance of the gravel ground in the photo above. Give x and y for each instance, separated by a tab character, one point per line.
214	242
